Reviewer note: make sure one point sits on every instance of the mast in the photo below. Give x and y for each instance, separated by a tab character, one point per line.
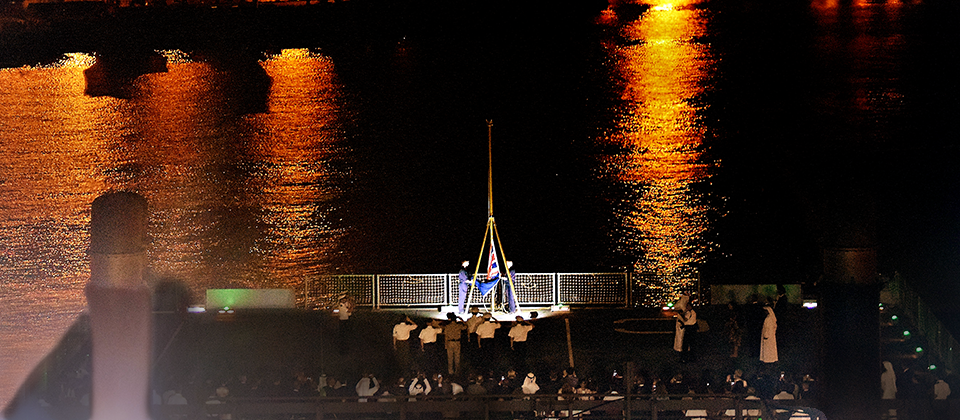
490	168
491	231
491	224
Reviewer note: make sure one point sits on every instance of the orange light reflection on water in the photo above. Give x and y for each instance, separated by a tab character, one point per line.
660	133
300	146
861	41
48	178
259	187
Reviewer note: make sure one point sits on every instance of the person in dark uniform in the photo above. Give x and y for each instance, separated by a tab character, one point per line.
465	283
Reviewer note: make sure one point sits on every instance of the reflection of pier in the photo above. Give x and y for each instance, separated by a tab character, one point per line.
125	35
42	32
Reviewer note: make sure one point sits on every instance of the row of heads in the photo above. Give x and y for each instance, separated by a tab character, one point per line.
487	315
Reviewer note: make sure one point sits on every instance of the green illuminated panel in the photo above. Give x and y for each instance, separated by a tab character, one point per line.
249	298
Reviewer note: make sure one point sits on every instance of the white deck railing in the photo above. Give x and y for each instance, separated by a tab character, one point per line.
532	289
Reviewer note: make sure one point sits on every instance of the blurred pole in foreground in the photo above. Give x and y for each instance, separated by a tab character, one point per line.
849	299
120	307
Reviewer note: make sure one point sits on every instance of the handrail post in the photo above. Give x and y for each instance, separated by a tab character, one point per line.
447	290
376	291
556	288
306	292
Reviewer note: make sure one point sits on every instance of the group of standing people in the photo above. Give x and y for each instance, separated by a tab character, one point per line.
479	332
915	389
688	327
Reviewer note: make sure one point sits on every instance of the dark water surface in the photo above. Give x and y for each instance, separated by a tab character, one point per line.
727	140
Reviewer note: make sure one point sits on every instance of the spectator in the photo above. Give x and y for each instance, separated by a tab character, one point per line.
508	383
734	329
219	397
419	386
476	386
398	388
768	342
780	304
443	385
753	316
530	384
368	386
335	388
176	398
888	382
808	388
784	394
953	380
737	385
677	386
304	386
941	390
908	387
570	378
586	390
551	384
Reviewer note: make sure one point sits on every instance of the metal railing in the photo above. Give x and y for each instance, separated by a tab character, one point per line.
941	344
532	289
536	406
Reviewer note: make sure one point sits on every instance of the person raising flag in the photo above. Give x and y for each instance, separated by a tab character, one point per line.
509	291
465	282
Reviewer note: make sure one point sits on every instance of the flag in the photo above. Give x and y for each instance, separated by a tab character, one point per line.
493	270
493	274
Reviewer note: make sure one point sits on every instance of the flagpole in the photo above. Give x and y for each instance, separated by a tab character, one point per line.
491	223
491	229
473	281
489	169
